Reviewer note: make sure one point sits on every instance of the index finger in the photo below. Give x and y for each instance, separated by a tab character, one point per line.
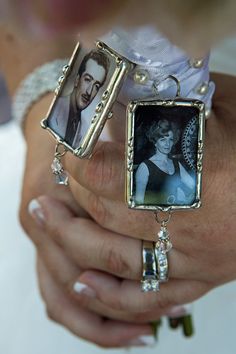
103	173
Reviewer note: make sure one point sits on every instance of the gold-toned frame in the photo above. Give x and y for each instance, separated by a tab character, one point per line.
103	110
131	110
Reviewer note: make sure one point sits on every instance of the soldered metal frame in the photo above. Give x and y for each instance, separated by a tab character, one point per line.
131	111
103	110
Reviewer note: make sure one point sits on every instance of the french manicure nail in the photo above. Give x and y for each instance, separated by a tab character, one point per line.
147	340
81	288
36	212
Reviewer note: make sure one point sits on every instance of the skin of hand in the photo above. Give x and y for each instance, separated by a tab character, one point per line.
206	21
57	273
109	245
55	269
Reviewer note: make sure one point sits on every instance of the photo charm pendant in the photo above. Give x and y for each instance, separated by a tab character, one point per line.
164	154
83	100
164	164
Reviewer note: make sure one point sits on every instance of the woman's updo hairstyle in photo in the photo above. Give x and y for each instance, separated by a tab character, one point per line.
160	129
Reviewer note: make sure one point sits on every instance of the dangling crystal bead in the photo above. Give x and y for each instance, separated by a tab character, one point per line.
163	233
163	243
61	178
56	166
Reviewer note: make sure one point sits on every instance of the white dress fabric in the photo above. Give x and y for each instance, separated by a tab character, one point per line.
154	53
24	327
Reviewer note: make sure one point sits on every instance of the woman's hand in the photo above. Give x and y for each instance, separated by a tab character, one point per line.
56	271
114	267
203	239
100	324
111	248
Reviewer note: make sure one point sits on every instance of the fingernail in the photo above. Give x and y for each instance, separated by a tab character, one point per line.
147	340
81	288
181	310
36	212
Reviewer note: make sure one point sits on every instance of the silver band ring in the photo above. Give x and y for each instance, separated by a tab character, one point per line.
149	280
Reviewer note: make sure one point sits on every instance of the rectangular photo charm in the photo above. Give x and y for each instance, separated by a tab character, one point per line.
164	154
83	101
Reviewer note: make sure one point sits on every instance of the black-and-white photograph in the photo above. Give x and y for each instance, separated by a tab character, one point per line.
165	155
74	108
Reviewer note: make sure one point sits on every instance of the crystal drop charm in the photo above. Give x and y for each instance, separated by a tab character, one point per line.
62	178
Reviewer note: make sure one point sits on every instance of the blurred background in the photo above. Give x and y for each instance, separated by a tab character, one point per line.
24	327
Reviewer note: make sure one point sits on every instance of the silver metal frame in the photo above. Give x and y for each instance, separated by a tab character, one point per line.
131	109
103	108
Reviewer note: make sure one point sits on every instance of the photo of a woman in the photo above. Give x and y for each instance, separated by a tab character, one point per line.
162	179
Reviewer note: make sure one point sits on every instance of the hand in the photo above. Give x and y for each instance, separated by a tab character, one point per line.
203	21
203	239
98	323
105	253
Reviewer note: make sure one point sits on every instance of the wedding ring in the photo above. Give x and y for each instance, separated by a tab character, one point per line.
149	280
161	264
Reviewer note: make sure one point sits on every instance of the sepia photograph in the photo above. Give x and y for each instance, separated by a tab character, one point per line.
165	155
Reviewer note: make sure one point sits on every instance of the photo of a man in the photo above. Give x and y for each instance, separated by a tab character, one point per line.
66	119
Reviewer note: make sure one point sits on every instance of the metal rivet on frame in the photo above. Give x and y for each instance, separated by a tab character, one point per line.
94	119
110	115
141	76
196	63
65	68
118	61
203	88
61	78
57	90
105	95
99	107
99	45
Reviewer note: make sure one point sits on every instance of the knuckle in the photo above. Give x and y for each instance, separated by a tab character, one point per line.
97	209
82	300
149	306
100	169
163	303
115	261
57	232
115	302
145	317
